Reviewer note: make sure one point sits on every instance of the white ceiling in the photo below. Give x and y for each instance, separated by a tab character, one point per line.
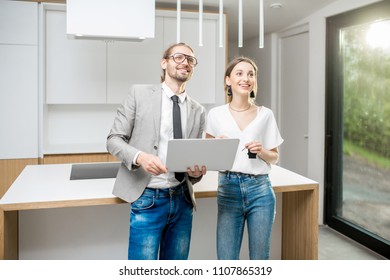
274	19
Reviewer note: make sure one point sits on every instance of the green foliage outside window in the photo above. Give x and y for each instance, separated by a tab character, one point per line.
366	92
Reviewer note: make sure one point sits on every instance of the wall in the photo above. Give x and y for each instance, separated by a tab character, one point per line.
267	58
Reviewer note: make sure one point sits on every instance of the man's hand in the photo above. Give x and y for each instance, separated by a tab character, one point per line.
196	173
151	164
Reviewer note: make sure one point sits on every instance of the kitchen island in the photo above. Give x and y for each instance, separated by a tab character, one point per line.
49	187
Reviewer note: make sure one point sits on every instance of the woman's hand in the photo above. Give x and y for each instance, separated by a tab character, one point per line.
254	147
269	156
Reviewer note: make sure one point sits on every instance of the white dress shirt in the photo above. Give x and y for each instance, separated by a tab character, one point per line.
166	133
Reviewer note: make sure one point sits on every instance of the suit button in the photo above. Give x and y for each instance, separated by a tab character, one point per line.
155	147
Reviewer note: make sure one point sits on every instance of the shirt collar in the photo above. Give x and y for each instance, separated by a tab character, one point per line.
170	93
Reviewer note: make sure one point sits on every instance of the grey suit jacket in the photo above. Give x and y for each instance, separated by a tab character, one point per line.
137	128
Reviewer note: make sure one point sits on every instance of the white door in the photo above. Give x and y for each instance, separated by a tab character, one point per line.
294	59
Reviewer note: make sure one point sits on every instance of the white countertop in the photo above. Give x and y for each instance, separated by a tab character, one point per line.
49	186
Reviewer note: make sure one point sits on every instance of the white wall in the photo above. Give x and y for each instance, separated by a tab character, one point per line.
268	62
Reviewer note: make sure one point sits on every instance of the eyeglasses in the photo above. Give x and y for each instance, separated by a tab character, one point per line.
180	57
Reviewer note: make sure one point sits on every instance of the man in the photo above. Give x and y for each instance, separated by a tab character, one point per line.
161	202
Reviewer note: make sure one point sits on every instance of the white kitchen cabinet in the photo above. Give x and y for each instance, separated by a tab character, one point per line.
94	71
19	101
139	63
99	72
18	80
18	23
133	63
75	69
85	80
205	83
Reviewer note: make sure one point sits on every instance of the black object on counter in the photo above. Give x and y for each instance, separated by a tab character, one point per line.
94	170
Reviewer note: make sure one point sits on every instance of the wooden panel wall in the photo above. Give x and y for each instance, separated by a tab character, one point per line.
9	171
77	158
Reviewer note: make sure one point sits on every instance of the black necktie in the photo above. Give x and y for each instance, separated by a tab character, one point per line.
177	133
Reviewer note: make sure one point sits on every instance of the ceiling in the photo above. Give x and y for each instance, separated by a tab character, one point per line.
274	19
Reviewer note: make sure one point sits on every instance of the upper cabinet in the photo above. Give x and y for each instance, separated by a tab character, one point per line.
133	63
207	81
18	23
75	69
101	72
19	80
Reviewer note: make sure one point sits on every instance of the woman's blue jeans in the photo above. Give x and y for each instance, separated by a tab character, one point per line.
161	224
243	197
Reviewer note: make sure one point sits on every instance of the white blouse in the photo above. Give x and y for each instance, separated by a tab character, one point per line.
263	128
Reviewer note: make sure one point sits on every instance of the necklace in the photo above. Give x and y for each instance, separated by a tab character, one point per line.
240	110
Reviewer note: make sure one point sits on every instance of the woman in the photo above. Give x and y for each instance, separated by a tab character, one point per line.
245	193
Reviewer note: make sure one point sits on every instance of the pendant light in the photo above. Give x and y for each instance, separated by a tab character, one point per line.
178	21
200	23
261	25
240	44
221	23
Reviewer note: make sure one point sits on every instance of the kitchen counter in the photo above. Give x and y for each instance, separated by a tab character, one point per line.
49	186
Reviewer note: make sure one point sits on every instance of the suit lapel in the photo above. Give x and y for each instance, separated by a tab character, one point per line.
156	100
191	116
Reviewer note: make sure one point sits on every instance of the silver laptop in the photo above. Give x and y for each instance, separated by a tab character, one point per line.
216	154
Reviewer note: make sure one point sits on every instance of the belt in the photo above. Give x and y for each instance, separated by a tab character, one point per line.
239	174
181	188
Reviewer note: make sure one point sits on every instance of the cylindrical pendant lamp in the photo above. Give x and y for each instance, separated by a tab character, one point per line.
178	21
200	23
240	36
221	23
261	25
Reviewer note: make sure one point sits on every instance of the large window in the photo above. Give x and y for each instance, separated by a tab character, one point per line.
358	125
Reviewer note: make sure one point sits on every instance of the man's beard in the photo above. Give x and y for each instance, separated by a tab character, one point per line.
181	78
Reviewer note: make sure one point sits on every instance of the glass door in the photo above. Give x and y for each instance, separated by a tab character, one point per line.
358	126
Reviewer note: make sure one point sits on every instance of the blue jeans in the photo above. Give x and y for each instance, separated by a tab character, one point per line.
243	197
161	224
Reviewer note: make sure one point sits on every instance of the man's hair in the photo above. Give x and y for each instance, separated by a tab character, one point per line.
167	53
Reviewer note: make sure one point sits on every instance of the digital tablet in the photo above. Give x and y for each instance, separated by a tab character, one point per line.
214	153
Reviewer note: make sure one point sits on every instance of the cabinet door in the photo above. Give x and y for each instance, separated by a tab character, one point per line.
18	23
75	69
133	63
203	84
19	101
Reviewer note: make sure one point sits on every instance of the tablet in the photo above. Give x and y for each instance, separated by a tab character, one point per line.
214	153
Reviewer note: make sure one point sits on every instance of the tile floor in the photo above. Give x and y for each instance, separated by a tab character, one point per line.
332	245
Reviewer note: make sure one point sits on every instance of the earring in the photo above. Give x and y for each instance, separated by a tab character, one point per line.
229	91
252	94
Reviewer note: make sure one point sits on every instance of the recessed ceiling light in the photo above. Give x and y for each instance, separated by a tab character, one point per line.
276	5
